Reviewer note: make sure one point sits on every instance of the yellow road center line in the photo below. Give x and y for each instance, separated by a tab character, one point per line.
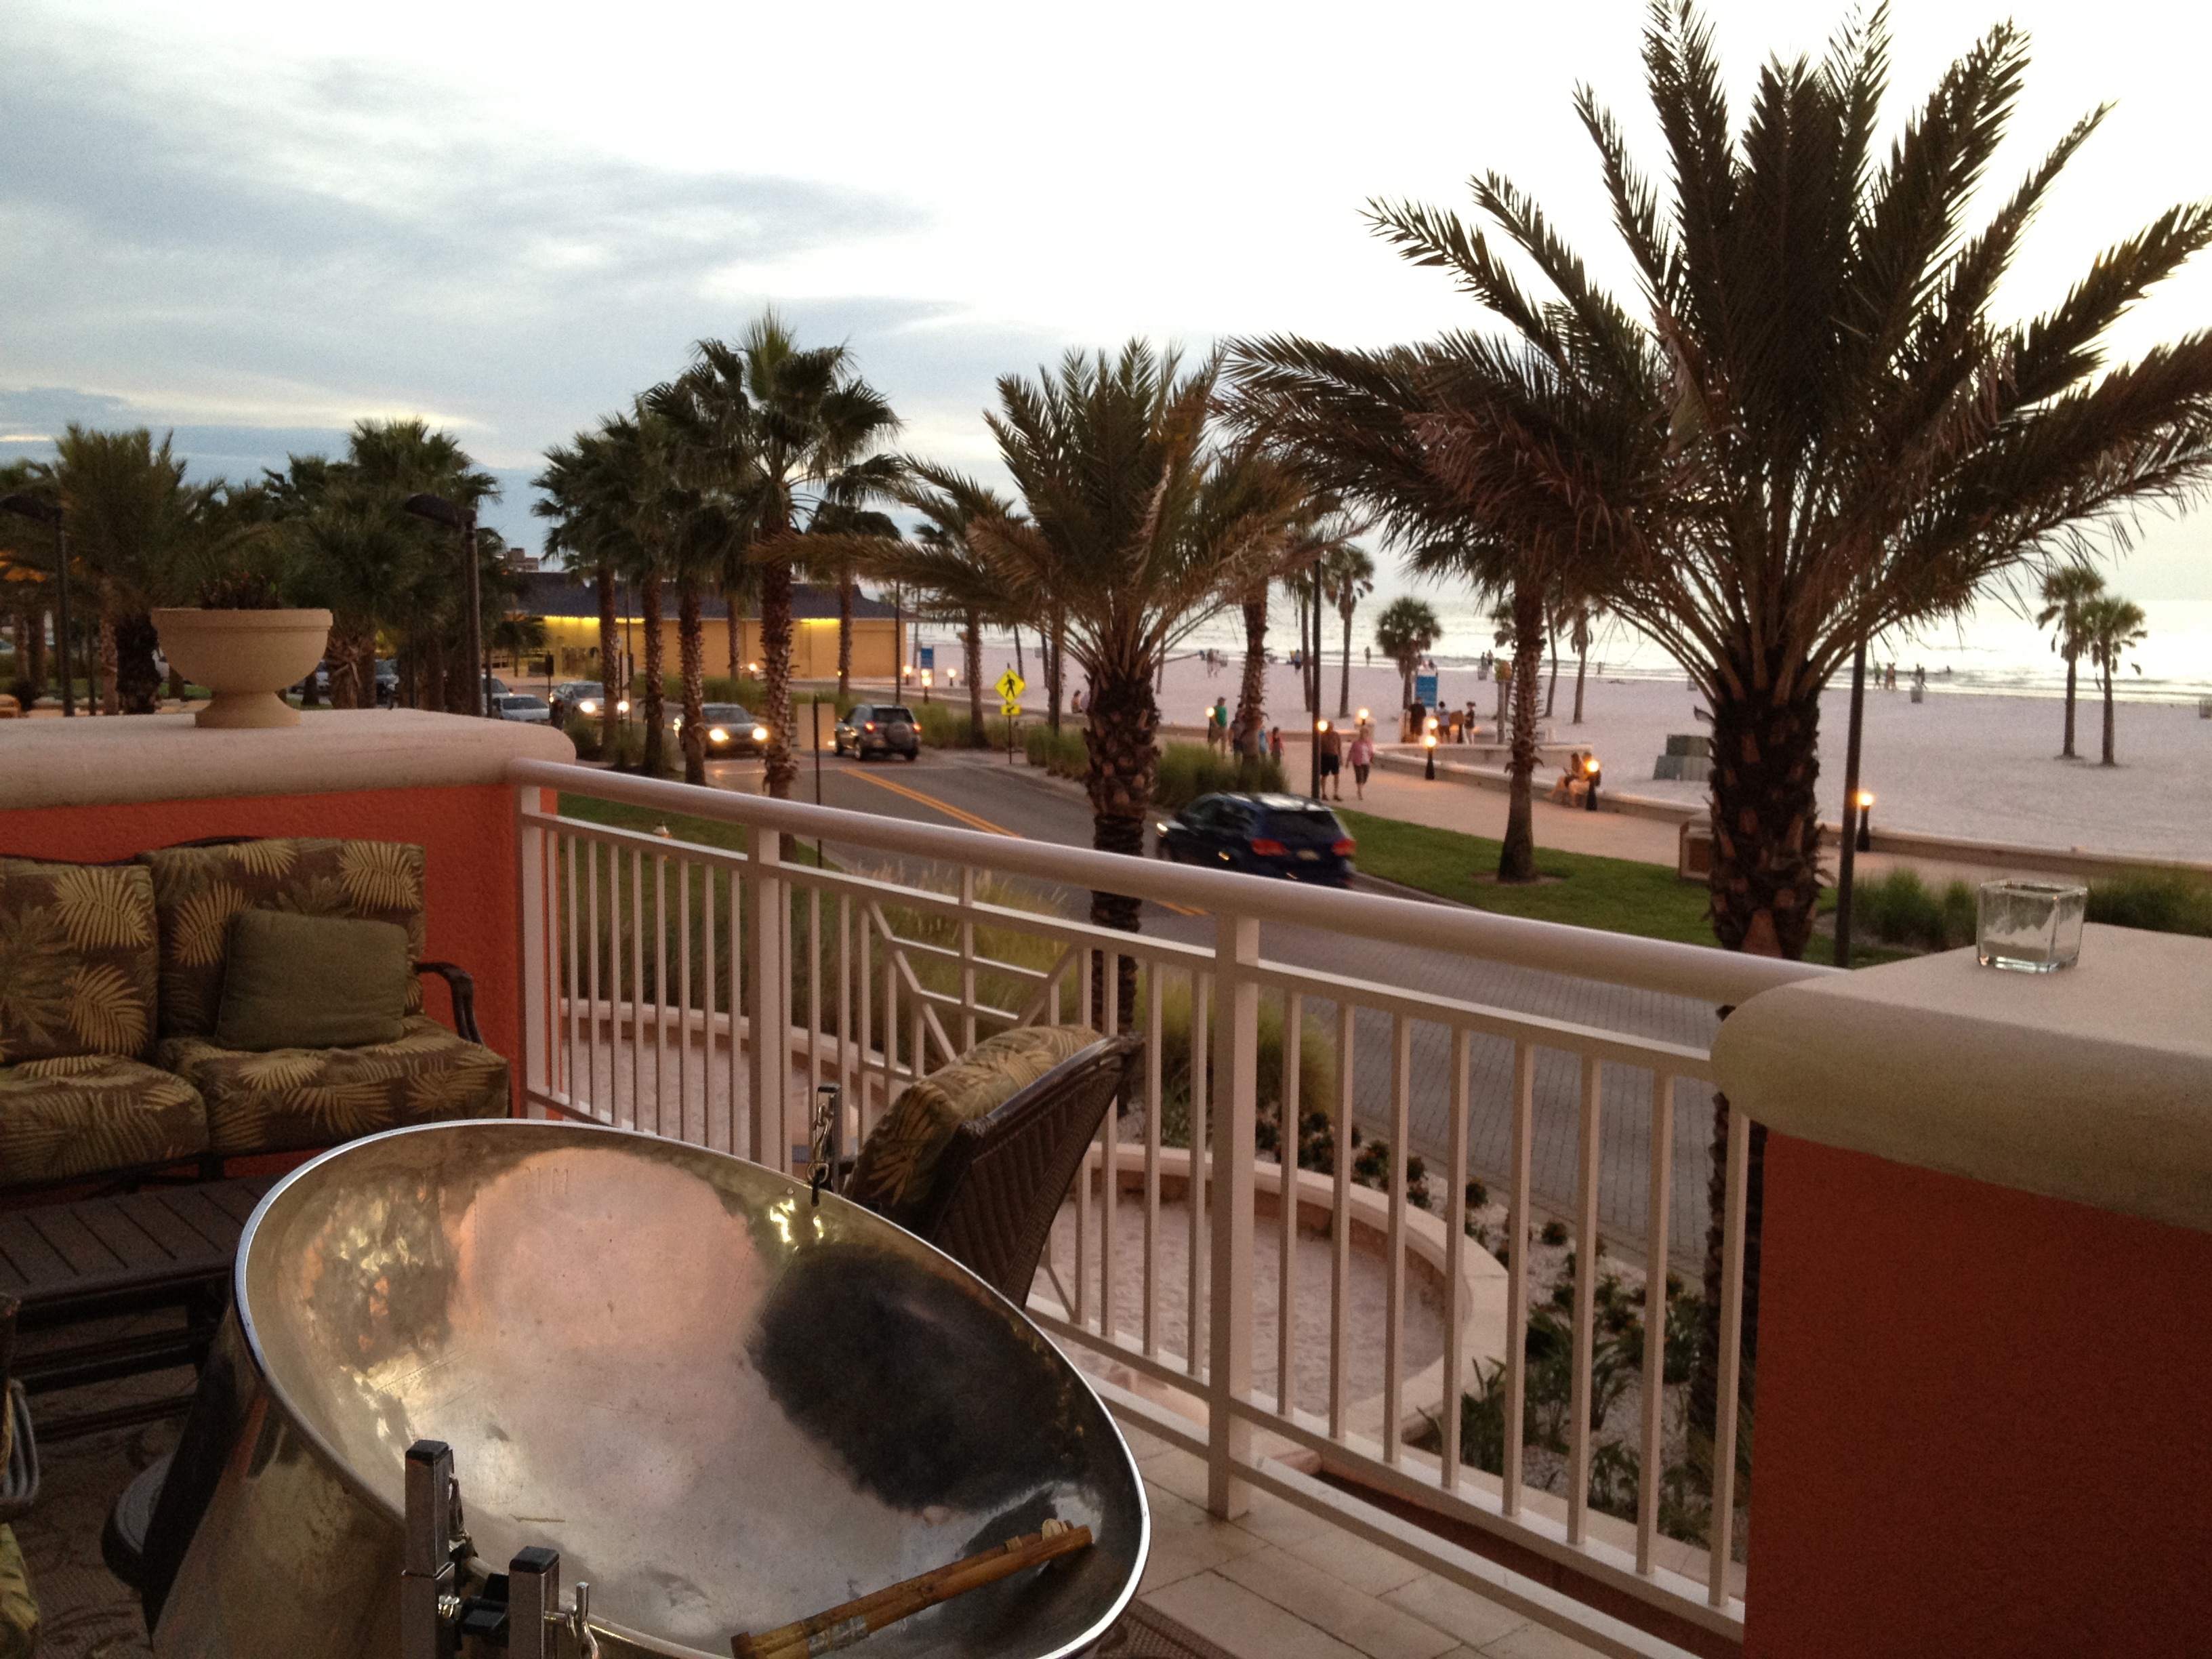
974	821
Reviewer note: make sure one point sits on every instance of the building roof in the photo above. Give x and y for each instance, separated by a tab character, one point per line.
551	593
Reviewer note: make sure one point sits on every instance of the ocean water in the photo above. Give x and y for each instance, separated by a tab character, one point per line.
1992	652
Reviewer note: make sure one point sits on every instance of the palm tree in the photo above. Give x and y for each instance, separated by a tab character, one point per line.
1347	576
1405	631
2110	628
977	596
1810	427
130	515
1138	528
571	493
2067	591
769	430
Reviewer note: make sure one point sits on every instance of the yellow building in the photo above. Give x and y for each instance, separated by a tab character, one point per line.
571	614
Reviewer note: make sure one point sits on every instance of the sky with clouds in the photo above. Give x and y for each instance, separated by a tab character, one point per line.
257	222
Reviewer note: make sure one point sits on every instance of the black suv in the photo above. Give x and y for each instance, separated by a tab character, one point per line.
1285	836
878	729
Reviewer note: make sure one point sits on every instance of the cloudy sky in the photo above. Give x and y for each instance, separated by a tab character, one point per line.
258	222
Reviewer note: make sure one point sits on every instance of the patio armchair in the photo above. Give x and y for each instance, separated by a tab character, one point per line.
977	1156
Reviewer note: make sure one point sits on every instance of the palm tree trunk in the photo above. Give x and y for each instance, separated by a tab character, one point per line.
844	640
1124	760
656	687
1516	857
1765	881
1343	676
972	642
1551	695
36	656
339	654
730	637
1055	663
610	661
1251	696
1766	824
2106	674
110	703
138	683
781	770
433	671
1582	668
691	664
2067	751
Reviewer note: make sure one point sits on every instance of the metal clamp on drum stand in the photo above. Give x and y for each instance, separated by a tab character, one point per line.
519	1610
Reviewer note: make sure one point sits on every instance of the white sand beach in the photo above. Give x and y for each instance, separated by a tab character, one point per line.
1975	766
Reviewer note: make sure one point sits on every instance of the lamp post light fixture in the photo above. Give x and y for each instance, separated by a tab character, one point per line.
1592	773
1864	839
33	506
1429	743
438	510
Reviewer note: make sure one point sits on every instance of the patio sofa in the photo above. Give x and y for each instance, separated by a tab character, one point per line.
117	981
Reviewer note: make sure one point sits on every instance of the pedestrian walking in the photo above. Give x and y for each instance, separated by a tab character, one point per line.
1362	756
1331	759
1275	744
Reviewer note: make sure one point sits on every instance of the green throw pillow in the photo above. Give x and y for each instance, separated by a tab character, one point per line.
295	982
897	1169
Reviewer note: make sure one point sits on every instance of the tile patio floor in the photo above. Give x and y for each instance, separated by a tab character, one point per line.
1283	1584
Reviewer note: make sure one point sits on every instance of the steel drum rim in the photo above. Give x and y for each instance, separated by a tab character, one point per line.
343	1469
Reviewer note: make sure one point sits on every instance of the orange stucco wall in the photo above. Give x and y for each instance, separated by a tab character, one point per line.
467	834
1984	1420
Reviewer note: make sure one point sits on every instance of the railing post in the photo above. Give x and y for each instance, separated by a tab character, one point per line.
768	1075
535	982
1236	1092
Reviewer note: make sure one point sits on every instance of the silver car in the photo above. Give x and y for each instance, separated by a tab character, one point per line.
521	706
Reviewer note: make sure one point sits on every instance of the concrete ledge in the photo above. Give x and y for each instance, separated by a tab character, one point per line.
2094	1084
109	761
1399	759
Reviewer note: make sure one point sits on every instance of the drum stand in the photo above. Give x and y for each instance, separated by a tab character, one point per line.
519	1610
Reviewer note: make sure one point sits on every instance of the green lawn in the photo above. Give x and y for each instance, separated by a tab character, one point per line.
617	815
1622	896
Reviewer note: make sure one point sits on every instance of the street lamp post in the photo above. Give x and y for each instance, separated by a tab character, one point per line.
438	510
31	507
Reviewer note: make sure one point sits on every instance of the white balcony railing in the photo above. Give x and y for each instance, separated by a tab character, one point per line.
649	963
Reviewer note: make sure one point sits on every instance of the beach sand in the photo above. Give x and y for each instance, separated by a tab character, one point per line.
1973	766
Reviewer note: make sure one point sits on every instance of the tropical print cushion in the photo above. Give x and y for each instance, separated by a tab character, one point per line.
197	890
293	1098
19	1612
77	961
85	1113
898	1167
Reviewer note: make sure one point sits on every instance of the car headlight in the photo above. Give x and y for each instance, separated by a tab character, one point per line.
589	706
718	734
760	734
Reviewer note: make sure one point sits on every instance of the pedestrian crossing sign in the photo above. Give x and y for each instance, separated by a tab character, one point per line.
1011	687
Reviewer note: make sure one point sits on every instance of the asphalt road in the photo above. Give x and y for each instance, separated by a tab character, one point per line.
978	794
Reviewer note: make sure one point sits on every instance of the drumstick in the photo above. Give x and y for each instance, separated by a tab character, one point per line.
854	1621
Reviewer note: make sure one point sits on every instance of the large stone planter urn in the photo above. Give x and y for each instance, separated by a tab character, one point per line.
247	658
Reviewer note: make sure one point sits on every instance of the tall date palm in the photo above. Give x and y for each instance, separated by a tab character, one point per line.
1137	526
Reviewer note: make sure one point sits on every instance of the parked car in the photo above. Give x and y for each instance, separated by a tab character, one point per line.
878	729
730	731
1285	836
521	706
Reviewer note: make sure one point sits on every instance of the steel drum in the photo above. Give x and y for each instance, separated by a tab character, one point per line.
726	1407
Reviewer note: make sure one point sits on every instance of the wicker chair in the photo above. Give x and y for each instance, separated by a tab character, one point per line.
1001	1179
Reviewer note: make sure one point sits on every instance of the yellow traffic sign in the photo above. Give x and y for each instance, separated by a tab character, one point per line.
1011	686
1009	707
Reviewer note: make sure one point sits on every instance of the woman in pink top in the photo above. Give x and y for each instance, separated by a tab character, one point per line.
1362	756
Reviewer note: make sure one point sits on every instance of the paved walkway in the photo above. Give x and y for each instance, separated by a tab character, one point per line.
1283	1584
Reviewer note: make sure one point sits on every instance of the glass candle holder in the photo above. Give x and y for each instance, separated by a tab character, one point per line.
2030	927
